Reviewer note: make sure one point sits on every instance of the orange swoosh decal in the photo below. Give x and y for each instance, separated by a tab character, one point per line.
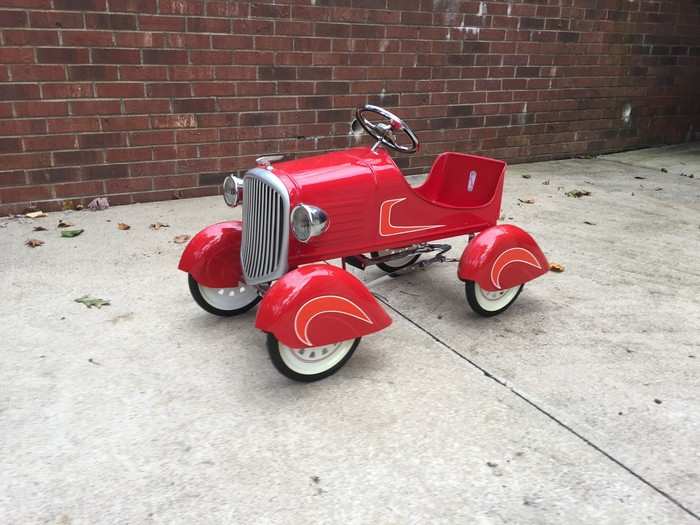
386	227
324	304
513	255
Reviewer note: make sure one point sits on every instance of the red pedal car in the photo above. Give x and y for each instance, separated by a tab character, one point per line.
354	205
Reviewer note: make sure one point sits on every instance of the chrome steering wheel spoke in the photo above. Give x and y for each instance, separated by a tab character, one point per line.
384	133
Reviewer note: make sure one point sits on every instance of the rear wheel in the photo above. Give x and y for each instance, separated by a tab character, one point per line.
488	303
311	363
395	264
224	301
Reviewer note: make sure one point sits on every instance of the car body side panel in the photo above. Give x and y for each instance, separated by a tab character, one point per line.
317	305
371	206
212	256
502	257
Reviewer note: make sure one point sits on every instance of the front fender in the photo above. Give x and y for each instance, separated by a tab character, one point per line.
318	305
212	257
502	257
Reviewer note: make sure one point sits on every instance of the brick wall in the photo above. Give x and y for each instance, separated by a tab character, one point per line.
146	100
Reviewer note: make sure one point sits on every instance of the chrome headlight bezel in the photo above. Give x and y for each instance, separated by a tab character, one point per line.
232	188
308	222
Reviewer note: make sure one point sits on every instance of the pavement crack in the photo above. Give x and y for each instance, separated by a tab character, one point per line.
545	412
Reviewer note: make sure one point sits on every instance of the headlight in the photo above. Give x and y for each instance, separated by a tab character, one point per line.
308	221
233	191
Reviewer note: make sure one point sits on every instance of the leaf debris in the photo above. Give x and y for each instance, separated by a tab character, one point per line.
71	233
35	214
578	193
92	302
556	267
33	243
527	201
180	239
123	226
64	224
158	225
39	229
589	223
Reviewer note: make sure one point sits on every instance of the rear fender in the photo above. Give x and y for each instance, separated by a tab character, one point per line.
212	257
318	305
502	257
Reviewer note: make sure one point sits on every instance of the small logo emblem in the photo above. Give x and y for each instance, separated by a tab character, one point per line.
387	228
324	304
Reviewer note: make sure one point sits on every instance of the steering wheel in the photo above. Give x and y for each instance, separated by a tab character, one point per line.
383	132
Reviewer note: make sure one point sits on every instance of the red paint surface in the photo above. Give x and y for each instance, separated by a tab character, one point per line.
501	257
212	256
318	305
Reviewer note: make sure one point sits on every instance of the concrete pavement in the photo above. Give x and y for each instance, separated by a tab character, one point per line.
578	405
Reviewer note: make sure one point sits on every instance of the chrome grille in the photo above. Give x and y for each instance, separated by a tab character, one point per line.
265	227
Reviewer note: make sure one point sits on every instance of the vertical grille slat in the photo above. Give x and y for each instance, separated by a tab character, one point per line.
265	227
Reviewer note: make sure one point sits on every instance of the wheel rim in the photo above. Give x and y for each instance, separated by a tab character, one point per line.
397	263
315	359
229	298
493	301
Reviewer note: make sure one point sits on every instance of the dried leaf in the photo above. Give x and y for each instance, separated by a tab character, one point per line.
664	170
100	203
39	229
546	182
578	193
123	226
79	207
556	267
158	225
527	201
180	239
35	214
589	223
526	176
33	243
71	233
64	224
658	189
639	178
92	302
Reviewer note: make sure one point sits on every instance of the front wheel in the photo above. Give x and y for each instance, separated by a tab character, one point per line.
311	363
488	303
226	302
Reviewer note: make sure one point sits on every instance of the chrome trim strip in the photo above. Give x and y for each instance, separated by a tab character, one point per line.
265	241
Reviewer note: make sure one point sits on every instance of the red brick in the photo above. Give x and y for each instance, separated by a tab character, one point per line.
95	107
143	73
55	19
182	7
25	161
62	55
139	39
25	194
185	120
36	73
169	90
78	189
93	73
87	38
128	155
129	185
136	6
13	145
147	106
102	140
77	158
16	55
13	18
120	90
21	37
208	25
18	91
120	22
164	56
50	142
161	23
66	125
124	123
12	178
151	137
116	56
72	90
